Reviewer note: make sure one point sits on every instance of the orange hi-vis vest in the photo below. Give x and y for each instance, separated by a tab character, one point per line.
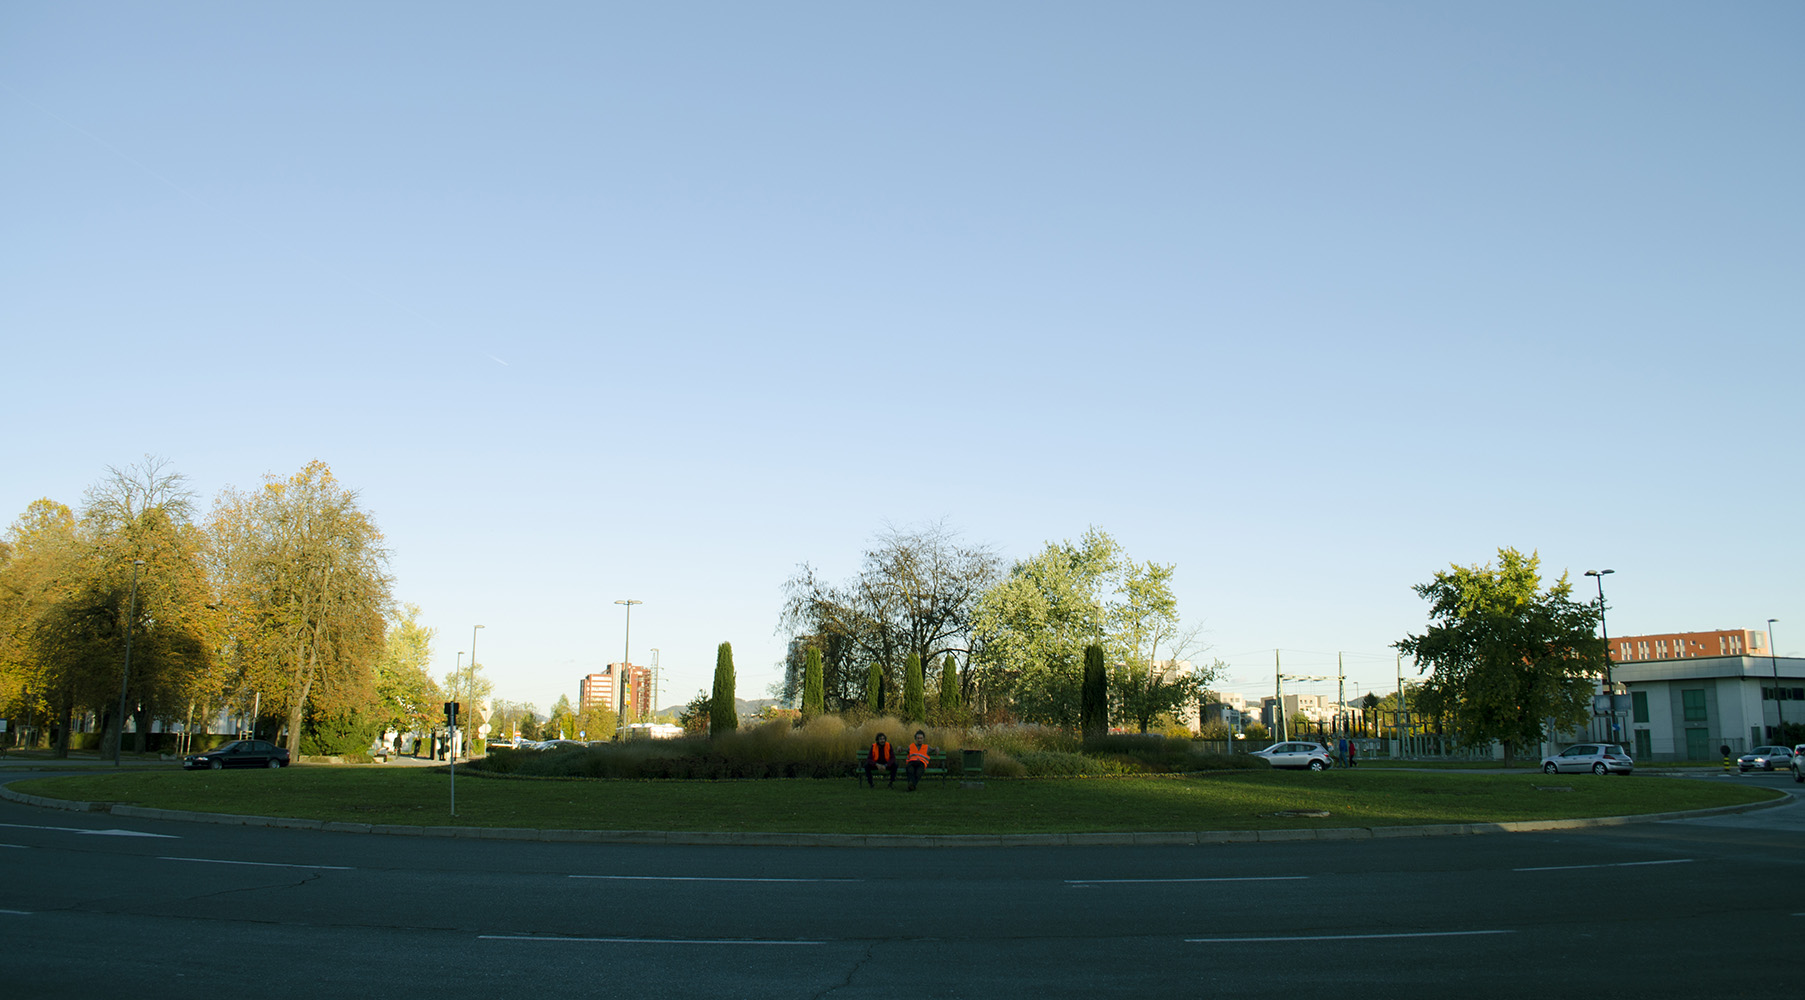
880	753
918	754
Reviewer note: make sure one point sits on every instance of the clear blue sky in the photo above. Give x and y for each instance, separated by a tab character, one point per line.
595	301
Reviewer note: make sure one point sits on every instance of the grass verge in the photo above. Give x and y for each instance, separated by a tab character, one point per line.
1245	800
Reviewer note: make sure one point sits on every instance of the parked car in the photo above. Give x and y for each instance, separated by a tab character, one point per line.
1311	755
1599	758
1765	759
1798	763
238	753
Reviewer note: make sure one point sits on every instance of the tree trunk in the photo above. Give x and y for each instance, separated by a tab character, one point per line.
298	704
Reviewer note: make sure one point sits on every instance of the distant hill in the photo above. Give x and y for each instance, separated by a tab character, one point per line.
745	708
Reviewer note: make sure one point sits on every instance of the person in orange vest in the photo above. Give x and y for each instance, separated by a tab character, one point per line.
881	755
918	758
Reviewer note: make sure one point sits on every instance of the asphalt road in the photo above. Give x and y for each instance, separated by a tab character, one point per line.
1696	908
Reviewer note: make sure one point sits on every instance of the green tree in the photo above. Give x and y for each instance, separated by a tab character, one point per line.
1143	692
915	593
874	688
1033	625
1094	719
914	694
695	716
949	688
561	724
813	696
1506	658
597	722
723	715
407	698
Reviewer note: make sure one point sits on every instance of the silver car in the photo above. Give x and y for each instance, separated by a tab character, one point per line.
1798	763
1599	758
1765	759
1310	755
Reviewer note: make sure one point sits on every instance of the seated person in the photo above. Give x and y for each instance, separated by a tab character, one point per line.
882	755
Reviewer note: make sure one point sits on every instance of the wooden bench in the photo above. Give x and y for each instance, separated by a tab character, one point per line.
936	765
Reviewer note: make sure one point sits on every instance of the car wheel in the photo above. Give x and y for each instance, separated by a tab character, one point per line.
1317	765
1598	769
1798	775
273	762
217	765
1549	768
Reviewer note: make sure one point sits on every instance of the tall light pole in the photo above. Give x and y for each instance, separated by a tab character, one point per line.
1610	687
125	680
626	657
469	688
1773	657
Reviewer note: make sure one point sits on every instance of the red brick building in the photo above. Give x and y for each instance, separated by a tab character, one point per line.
599	689
1684	645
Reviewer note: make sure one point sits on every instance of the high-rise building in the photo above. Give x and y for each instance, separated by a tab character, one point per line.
598	690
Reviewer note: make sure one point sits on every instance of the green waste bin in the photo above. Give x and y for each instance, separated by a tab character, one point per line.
971	763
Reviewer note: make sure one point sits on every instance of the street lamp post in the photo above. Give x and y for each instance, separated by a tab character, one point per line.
1773	657
125	679
470	685
652	704
626	657
1610	687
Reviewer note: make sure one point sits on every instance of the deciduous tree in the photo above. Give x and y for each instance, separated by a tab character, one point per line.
915	593
1505	658
305	563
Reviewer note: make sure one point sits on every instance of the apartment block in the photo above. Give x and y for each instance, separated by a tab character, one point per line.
1685	645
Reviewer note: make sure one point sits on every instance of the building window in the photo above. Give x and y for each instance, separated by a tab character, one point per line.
1638	706
1642	650
1736	645
1693	704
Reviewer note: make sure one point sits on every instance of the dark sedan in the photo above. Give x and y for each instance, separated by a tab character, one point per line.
238	753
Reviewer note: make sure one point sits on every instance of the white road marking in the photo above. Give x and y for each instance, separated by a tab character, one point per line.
21	847
87	832
629	940
1620	864
1132	881
1342	937
259	864
16	913
703	878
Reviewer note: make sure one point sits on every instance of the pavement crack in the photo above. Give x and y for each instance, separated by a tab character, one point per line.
850	973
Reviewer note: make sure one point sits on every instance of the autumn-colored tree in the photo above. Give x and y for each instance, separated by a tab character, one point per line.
302	567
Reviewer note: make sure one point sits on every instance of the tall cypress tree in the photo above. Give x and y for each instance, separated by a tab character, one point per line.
914	697
1093	698
874	689
723	717
813	697
949	685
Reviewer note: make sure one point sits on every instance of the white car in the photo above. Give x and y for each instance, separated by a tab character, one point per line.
1311	755
1599	758
1798	763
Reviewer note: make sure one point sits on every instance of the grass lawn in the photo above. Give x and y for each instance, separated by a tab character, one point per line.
1242	800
